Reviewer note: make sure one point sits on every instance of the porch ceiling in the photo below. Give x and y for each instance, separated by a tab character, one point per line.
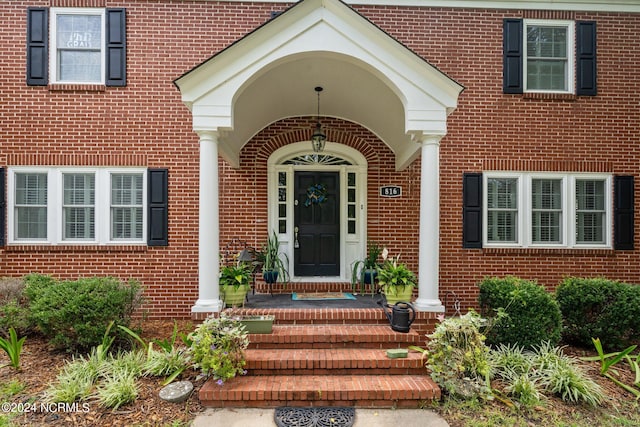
368	78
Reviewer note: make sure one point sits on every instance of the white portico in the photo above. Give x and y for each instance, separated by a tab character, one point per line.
369	78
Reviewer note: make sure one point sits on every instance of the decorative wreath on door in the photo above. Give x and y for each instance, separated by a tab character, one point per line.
316	195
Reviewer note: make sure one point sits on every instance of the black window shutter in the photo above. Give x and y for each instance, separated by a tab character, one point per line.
116	48
158	207
586	65
512	56
3	209
623	224
472	210
37	46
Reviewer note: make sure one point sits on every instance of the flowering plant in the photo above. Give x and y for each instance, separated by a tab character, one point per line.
316	195
217	348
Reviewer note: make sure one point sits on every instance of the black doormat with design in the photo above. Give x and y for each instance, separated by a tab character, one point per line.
315	417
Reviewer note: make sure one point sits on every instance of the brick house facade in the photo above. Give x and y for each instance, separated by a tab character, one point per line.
500	174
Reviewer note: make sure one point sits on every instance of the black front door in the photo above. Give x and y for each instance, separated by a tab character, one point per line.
317	224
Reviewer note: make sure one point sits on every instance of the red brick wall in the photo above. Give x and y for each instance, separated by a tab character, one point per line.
146	124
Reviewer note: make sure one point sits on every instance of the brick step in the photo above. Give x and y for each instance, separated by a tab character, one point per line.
302	287
330	361
379	391
334	336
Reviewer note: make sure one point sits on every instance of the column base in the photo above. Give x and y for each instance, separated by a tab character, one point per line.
207	306
428	305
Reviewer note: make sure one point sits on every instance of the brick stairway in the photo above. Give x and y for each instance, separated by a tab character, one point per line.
328	357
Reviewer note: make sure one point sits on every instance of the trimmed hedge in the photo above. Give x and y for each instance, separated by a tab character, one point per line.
599	308
74	315
528	313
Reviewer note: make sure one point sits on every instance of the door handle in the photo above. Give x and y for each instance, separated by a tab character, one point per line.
296	245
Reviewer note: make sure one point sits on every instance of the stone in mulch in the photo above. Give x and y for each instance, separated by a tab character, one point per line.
176	392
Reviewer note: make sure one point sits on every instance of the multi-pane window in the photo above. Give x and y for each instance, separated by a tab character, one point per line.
79	43
126	206
78	206
502	209
531	209
546	211
30	206
591	211
351	203
65	205
549	61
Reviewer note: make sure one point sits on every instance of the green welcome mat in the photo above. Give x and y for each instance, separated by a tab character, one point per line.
318	296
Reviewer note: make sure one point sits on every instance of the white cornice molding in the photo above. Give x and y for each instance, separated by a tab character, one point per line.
631	6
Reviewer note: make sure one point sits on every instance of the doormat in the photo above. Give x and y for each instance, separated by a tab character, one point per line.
318	296
315	417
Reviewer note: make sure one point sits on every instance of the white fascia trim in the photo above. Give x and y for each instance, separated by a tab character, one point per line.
575	5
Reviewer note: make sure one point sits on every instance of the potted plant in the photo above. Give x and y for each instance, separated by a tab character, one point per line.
234	283
217	347
365	270
274	263
396	280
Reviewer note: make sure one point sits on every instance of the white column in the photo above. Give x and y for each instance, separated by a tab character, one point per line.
429	246
209	227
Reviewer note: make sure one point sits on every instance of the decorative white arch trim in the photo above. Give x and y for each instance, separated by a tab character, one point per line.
289	151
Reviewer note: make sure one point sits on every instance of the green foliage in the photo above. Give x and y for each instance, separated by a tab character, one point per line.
14	307
599	308
458	358
609	360
271	260
13	347
117	389
75	381
393	274
544	368
519	312
74	315
235	275
217	348
369	264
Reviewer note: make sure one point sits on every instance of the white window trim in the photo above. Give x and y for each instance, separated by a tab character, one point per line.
571	69
524	238
54	206
53	51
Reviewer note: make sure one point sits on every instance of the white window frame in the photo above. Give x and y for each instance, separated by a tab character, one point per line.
53	51
524	238
571	69
54	205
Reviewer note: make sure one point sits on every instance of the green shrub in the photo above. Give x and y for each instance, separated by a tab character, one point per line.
74	315
599	308
14	307
519	312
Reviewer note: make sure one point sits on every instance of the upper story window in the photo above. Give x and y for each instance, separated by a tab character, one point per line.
69	205
549	56
547	210
77	54
76	46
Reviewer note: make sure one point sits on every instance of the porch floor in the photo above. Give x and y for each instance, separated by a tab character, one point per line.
261	300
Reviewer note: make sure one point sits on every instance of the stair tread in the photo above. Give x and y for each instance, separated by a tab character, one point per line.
321	388
334	333
307	360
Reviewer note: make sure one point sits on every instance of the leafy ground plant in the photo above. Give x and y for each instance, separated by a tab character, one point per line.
13	347
217	348
458	358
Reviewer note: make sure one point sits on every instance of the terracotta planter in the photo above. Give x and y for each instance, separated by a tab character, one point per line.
398	294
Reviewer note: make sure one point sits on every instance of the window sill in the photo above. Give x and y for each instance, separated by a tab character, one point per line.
550	251
550	96
67	87
19	248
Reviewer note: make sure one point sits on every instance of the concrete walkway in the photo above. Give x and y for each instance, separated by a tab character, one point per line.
255	417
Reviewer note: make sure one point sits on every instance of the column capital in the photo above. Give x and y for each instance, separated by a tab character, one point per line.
429	139
208	135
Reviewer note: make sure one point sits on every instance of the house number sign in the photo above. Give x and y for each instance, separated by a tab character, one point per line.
391	191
